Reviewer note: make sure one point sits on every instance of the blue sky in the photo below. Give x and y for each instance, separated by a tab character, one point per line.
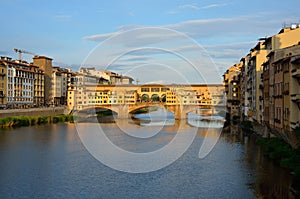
68	31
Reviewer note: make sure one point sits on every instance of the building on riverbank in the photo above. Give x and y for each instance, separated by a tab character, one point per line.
130	94
45	64
61	80
282	91
19	83
39	85
268	85
3	83
232	78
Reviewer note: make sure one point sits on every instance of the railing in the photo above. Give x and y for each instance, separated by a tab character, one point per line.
294	125
296	73
295	97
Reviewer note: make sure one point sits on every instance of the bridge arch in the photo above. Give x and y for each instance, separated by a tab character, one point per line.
155	98
145	98
123	111
135	108
163	98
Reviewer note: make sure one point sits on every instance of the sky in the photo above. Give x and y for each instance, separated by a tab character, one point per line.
174	41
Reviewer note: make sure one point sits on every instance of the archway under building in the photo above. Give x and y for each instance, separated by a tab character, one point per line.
155	98
145	98
163	98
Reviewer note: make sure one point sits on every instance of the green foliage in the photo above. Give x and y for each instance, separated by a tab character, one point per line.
33	121
235	119
18	121
282	153
42	120
141	111
297	131
21	121
247	125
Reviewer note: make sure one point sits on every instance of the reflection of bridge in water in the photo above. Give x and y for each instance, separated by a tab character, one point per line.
180	111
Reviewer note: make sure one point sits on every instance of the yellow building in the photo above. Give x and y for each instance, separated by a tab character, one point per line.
283	82
286	37
258	56
3	83
233	89
39	85
207	95
255	61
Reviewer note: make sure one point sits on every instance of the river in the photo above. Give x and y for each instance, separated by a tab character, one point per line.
52	162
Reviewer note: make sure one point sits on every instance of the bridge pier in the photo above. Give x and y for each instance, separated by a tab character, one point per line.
123	112
180	112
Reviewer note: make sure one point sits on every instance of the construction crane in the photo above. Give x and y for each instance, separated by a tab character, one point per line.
22	51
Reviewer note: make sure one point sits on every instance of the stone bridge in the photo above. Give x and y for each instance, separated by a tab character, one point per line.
123	111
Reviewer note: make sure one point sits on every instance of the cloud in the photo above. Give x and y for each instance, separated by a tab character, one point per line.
224	40
133	58
99	37
235	45
240	25
213	6
193	7
190	6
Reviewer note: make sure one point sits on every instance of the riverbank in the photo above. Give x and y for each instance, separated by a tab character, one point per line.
34	112
19	121
278	150
283	154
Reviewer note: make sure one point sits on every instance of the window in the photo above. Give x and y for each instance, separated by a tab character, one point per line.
164	89
145	89
154	89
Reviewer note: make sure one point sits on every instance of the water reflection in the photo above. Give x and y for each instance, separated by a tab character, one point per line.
50	162
271	181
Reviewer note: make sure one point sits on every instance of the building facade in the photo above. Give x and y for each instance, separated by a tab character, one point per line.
3	83
19	84
232	79
61	79
269	83
45	64
282	91
39	85
206	95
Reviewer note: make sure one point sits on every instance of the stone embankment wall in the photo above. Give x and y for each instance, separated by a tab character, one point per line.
34	112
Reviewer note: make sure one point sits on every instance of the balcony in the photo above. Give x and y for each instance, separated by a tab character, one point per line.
295	97
294	125
277	121
286	92
2	74
296	73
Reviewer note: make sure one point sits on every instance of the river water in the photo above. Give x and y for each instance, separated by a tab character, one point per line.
52	162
